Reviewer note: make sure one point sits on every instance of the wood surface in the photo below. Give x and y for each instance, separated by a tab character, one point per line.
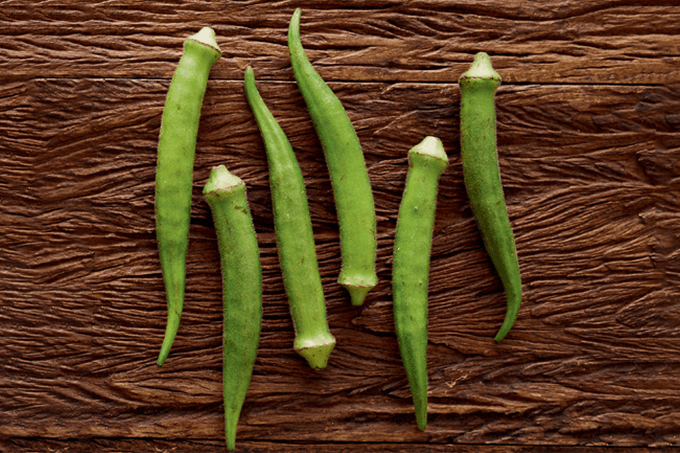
589	147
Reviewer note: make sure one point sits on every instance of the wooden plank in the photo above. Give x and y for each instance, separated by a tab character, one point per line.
591	176
103	445
594	41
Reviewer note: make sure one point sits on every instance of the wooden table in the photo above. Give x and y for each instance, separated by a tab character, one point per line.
589	147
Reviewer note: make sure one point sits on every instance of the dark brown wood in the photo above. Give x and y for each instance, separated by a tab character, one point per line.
589	147
572	41
106	445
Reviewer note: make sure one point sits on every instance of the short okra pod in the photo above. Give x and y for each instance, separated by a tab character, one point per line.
483	181
174	173
347	169
294	236
411	265
241	286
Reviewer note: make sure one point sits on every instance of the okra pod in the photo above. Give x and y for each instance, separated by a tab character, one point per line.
294	236
483	181
174	172
241	287
347	169
411	265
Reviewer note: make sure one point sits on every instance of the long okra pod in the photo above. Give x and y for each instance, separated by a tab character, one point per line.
241	286
483	181
176	147
347	169
294	236
411	265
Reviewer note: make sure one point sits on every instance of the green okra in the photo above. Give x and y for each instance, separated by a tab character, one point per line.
483	181
411	265
241	286
176	147
347	169
294	236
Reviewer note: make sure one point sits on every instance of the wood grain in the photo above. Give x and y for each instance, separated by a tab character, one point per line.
575	41
588	135
103	445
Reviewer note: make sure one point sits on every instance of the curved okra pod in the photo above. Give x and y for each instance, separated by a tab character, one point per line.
241	286
483	181
411	265
347	169
176	146
294	236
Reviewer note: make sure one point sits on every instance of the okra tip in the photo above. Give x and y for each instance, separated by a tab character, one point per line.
296	15
294	28
170	333
252	94
510	317
421	418
230	439
481	69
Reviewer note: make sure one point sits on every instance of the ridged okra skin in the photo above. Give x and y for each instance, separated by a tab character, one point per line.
483	181
411	265
294	236
176	147
241	286
347	169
